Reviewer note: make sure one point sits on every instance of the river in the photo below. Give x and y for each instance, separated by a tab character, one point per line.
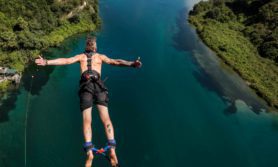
182	108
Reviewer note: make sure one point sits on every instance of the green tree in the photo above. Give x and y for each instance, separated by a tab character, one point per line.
8	40
74	19
222	14
270	50
20	25
269	14
202	6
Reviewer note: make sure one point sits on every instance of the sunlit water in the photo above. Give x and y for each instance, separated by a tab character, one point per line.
183	108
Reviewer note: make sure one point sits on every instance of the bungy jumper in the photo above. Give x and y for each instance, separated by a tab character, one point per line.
90	82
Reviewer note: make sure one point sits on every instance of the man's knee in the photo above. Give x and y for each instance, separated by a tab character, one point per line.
107	121
87	121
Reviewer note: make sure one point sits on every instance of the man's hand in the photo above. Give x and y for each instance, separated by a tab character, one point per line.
137	63
41	61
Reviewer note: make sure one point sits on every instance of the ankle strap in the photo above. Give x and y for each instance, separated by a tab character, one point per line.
112	143
87	146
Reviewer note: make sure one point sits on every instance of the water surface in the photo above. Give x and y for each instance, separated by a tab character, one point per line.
183	108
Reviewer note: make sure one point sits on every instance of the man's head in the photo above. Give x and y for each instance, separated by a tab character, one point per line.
91	44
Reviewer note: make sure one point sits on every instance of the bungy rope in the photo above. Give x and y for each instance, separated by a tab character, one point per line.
26	120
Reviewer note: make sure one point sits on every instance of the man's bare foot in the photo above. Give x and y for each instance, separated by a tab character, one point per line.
113	158
89	160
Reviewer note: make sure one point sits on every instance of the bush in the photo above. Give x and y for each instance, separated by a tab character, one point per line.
269	14
20	25
74	19
201	7
4	86
221	14
270	50
8	40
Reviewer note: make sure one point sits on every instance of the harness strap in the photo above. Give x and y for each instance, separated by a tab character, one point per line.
98	82
89	60
90	73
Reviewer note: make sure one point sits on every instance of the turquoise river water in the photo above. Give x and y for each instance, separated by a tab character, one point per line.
183	108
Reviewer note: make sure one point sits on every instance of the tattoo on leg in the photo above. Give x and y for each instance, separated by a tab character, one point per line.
108	128
88	132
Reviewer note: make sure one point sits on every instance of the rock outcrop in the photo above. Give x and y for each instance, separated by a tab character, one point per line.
9	74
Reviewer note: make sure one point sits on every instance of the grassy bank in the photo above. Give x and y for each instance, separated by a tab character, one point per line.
20	58
27	28
236	50
4	86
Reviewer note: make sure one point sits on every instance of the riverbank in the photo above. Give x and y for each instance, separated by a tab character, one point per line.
24	38
227	40
42	124
55	37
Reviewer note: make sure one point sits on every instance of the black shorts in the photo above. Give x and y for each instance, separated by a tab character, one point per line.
92	93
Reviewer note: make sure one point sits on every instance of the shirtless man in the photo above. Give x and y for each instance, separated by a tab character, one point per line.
92	90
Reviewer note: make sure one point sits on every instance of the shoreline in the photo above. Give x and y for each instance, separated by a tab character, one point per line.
60	34
227	34
253	87
18	55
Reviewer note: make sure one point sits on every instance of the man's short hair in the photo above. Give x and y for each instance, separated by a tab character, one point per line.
91	44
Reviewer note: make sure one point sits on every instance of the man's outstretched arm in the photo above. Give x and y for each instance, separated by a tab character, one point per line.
60	61
119	62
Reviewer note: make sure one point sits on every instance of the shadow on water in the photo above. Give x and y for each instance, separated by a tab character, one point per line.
41	73
33	85
211	74
275	122
9	103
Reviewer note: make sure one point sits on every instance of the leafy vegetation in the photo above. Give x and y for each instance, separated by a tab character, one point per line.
27	27
244	35
4	86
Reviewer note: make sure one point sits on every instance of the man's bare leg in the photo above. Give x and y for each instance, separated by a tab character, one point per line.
87	131
109	130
